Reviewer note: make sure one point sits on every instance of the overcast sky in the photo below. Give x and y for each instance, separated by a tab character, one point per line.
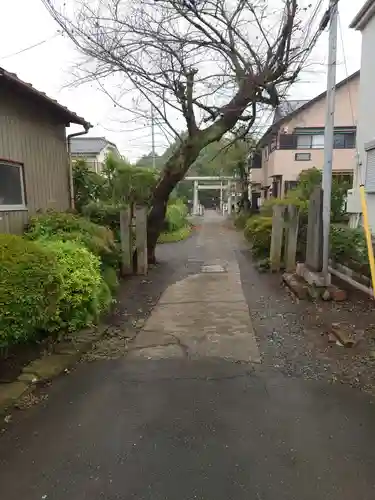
24	23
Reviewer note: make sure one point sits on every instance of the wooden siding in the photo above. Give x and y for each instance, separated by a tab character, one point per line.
35	137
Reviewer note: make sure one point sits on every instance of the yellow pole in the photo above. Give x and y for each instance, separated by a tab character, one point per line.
366	228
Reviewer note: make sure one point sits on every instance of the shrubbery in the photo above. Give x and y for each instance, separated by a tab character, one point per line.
258	231
83	292
241	219
70	227
47	286
30	288
348	247
176	216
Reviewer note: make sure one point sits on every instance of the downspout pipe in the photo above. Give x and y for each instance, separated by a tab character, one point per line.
71	183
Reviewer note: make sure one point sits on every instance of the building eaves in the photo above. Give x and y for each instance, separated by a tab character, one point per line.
19	84
364	16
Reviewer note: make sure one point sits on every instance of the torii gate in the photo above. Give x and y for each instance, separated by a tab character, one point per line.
229	181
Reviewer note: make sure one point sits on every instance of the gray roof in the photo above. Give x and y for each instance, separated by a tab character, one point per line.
24	87
89	145
285	108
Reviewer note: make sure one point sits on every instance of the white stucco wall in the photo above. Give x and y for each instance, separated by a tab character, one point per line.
366	109
366	104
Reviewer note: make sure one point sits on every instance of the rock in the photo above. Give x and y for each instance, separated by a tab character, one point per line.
298	287
344	333
326	295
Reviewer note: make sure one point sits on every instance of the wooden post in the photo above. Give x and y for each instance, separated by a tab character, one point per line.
291	238
277	237
126	242
141	239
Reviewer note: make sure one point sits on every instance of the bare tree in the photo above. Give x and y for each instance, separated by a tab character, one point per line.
213	62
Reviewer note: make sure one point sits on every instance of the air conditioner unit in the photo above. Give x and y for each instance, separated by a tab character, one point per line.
353	203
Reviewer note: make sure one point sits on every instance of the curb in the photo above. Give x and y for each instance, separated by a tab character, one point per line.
65	354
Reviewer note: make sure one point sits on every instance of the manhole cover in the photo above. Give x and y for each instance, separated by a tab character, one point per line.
214	268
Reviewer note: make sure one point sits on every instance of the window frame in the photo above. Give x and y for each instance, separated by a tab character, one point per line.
19	207
302	153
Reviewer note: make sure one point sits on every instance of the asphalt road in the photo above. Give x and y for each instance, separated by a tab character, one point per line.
178	429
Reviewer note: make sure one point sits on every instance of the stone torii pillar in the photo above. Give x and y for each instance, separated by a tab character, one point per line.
229	197
195	199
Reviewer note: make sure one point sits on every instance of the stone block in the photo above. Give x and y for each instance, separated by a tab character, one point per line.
337	294
9	393
49	366
297	286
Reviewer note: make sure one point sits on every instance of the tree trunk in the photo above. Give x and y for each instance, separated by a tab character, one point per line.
174	170
179	163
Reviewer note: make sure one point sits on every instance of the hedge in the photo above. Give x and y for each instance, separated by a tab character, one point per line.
258	231
30	288
64	226
83	294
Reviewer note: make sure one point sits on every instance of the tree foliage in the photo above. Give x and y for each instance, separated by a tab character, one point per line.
215	63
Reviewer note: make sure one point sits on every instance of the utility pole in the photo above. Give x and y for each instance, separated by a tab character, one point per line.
329	133
153	136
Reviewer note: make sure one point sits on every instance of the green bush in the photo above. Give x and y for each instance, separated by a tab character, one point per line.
258	231
348	247
70	227
176	216
30	284
105	214
84	294
110	277
241	219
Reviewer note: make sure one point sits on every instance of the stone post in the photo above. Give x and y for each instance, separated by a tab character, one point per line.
141	239
277	237
126	242
195	199
291	238
314	246
229	197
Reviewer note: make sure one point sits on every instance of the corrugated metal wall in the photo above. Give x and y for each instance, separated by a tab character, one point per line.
34	137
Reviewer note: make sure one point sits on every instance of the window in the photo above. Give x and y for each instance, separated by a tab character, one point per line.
317	141
12	192
302	156
303	141
344	140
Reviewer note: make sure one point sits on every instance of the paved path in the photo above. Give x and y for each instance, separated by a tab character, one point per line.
188	415
205	314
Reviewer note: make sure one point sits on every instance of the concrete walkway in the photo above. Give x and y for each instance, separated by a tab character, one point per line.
204	314
189	413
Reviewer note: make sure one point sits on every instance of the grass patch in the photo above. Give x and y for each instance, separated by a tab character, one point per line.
174	236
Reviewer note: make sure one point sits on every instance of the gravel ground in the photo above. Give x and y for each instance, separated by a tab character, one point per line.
292	334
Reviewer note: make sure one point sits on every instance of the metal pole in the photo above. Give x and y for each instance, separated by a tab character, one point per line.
328	134
152	136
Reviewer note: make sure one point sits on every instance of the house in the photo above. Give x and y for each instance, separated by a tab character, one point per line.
364	22
94	150
295	141
34	159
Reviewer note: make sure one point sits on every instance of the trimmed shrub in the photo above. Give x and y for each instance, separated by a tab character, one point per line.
348	247
258	231
84	294
176	216
110	277
70	227
241	219
105	214
30	284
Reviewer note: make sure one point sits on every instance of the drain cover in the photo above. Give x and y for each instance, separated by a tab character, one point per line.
214	268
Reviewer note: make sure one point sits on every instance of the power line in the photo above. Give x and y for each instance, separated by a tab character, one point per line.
30	47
